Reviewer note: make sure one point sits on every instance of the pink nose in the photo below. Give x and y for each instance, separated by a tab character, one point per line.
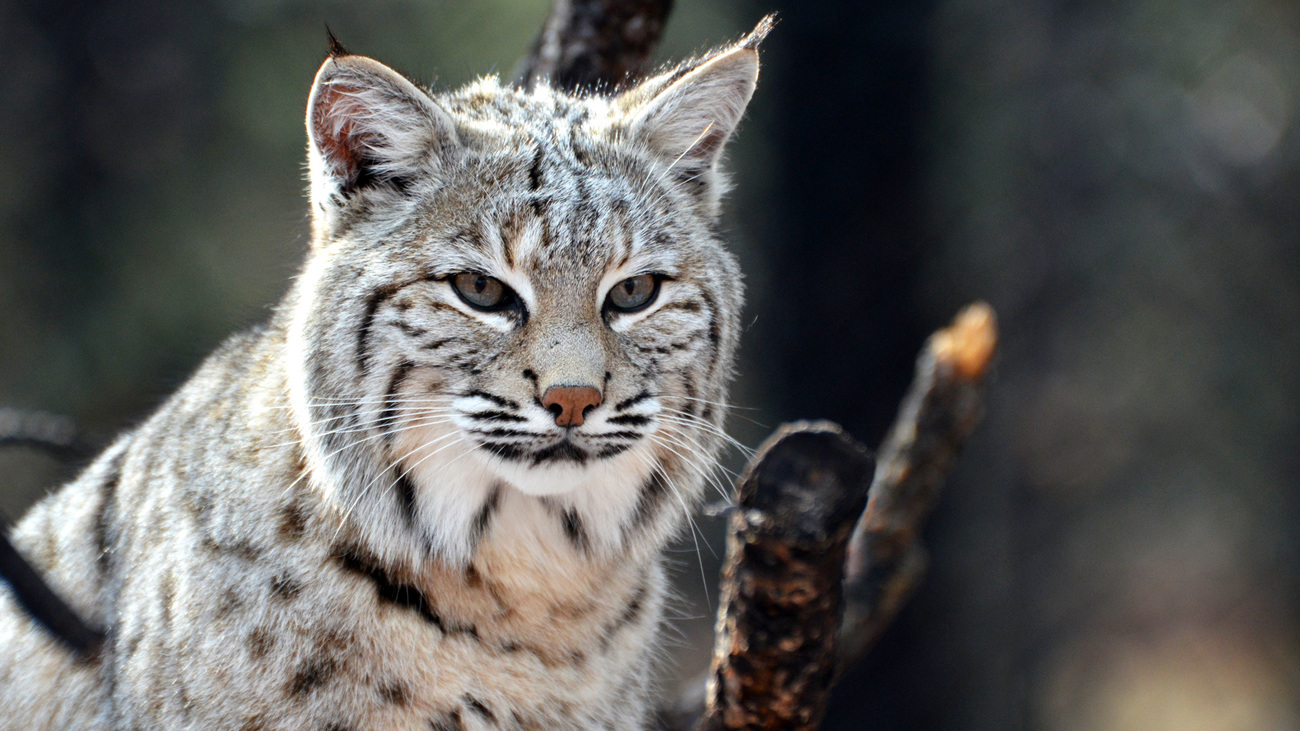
570	403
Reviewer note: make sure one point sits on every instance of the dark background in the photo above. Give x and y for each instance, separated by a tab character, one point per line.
1118	547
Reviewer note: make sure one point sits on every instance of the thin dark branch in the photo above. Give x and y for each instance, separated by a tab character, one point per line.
595	44
886	560
43	604
56	435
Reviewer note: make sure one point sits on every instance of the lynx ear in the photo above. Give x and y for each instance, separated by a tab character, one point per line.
368	127
687	118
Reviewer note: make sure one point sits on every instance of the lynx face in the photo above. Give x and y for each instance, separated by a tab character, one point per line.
516	293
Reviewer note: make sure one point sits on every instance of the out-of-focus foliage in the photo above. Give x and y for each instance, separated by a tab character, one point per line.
1118	549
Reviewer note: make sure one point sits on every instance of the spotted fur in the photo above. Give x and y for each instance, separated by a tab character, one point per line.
361	515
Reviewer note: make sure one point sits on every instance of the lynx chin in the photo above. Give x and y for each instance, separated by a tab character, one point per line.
434	490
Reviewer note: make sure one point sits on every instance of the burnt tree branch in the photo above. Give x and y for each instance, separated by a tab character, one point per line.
595	44
775	660
780	612
945	402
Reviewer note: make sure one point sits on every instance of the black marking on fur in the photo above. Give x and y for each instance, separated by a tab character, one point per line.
496	416
692	396
293	521
535	172
388	417
506	451
402	595
715	331
230	601
504	403
629	615
479	708
686	306
395	693
484	516
404	488
612	450
447	722
503	432
107	510
373	302
259	642
436	344
336	49
409	330
285	588
629	420
653	493
312	674
531	376
574	529
629	402
564	451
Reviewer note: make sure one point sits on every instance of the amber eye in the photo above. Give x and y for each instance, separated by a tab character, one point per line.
634	293
481	291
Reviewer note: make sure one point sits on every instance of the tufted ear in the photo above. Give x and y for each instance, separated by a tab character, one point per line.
368	127
687	115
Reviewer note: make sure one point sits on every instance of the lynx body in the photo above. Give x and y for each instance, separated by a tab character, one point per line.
434	490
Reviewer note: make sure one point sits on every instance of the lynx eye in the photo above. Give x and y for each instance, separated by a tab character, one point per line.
634	293
481	291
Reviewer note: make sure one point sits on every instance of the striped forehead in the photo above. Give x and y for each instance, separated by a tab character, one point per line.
562	212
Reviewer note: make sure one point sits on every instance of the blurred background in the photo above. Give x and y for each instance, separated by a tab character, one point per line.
1118	547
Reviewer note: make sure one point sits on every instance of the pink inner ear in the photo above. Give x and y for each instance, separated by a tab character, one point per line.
341	140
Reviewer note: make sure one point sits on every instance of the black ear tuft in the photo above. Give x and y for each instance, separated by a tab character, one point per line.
335	47
756	36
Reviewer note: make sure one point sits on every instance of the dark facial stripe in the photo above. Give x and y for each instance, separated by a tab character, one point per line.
388	418
504	403
496	416
627	403
373	302
563	452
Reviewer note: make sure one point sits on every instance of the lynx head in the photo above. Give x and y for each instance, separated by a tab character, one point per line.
516	297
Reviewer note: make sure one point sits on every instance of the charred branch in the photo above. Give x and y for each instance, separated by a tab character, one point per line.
595	44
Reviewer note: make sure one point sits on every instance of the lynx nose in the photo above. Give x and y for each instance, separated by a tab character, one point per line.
570	403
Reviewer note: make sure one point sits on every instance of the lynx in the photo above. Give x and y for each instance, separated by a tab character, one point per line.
434	490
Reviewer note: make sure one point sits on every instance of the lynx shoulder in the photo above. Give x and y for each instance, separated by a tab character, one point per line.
433	491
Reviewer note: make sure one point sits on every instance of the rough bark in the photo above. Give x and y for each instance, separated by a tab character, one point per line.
772	643
780	612
945	402
595	44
